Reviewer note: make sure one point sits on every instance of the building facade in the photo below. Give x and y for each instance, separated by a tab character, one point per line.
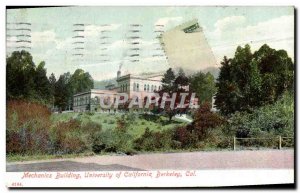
134	86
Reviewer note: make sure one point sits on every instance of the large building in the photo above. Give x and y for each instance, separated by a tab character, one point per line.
186	47
139	86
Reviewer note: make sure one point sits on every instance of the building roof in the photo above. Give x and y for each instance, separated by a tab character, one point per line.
152	77
97	91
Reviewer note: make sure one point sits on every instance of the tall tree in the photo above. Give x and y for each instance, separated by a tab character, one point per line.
168	81
42	84
250	80
63	91
170	87
81	81
277	70
52	81
226	94
203	84
181	79
20	70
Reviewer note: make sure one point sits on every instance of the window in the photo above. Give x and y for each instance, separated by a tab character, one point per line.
126	87
155	88
148	87
144	87
137	87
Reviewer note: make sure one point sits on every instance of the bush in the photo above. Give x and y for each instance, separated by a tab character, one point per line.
152	141
111	122
116	140
185	137
69	137
205	120
27	127
270	120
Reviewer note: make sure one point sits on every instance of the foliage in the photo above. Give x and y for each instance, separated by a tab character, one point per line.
27	127
205	120
173	86
199	132
251	80
115	140
153	140
168	81
69	84
25	80
203	84
269	120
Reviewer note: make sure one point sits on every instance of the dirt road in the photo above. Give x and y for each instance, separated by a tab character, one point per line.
280	159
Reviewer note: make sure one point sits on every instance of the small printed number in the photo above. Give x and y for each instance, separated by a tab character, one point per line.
16	184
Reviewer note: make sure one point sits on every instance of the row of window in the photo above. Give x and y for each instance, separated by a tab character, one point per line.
82	101
123	87
151	88
147	87
136	87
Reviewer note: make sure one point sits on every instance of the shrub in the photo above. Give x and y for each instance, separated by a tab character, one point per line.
115	140
111	122
73	136
151	141
205	120
275	119
27	127
185	137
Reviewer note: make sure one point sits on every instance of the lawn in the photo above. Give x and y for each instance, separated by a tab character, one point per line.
137	123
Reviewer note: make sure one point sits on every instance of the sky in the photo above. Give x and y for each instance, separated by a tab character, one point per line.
107	30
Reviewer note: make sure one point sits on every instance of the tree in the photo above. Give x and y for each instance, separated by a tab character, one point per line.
42	84
81	81
181	79
25	80
205	120
52	81
251	80
203	84
168	81
170	87
63	91
68	85
277	70
20	70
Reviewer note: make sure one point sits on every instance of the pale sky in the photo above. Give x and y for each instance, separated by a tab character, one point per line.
52	34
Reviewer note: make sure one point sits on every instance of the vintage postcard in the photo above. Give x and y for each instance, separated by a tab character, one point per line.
156	96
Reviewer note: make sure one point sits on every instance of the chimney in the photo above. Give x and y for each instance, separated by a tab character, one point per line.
118	74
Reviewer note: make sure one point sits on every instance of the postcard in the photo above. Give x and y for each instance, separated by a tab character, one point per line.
150	96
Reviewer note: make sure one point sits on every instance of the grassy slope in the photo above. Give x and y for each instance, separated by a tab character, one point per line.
136	128
108	121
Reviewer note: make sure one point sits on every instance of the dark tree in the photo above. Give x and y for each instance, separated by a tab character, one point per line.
251	80
170	87
63	91
42	84
20	71
168	81
203	84
181	80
